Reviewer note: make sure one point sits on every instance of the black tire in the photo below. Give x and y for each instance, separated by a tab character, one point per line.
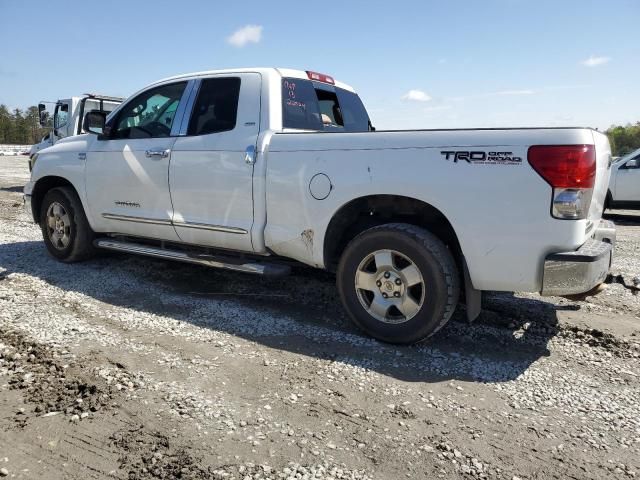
78	234
608	201
439	291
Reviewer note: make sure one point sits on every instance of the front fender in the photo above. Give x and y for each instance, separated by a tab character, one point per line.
63	163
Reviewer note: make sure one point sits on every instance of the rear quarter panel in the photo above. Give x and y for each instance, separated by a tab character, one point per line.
500	212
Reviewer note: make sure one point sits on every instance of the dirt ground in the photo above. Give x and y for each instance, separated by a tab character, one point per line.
132	368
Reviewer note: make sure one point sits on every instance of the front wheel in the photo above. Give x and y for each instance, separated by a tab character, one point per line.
64	225
398	282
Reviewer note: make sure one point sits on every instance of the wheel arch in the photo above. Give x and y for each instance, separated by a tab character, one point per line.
368	211
40	189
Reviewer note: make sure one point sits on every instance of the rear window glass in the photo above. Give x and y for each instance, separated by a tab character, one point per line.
354	115
308	105
300	105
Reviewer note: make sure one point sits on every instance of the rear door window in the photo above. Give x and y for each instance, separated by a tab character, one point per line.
216	108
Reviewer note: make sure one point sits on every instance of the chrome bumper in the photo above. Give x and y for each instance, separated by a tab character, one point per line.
570	273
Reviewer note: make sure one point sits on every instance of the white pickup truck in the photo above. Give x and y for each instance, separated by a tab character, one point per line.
255	169
68	117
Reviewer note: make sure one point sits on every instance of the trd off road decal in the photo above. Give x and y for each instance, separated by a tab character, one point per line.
482	158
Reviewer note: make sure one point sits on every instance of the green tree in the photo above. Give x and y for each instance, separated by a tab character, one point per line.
32	119
21	130
20	126
6	123
624	139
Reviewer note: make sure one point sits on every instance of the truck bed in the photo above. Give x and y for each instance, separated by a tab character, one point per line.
500	211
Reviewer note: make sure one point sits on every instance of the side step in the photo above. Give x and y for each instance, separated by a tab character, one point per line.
215	261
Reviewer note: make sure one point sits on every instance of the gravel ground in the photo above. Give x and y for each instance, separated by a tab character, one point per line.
132	368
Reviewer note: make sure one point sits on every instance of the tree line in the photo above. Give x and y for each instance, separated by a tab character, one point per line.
624	139
22	127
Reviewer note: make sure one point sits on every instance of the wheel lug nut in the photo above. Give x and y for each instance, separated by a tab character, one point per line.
387	274
398	281
396	294
379	283
385	295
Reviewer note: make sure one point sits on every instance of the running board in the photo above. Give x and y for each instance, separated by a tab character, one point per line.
214	261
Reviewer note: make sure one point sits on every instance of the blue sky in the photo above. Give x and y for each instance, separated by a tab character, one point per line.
416	64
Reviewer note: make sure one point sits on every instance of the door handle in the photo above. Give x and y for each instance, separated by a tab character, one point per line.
157	153
250	155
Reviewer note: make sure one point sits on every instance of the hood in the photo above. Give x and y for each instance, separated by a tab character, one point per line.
77	143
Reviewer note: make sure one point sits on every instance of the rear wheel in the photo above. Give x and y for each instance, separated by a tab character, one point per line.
398	282
65	228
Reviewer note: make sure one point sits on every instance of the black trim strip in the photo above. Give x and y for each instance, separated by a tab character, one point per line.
129	218
214	228
577	257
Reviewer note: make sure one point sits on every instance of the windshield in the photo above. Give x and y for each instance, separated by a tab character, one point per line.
308	105
106	106
61	115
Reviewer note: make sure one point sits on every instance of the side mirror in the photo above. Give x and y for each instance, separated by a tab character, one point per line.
43	116
94	122
634	163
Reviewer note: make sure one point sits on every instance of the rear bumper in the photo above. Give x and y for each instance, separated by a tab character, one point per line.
570	273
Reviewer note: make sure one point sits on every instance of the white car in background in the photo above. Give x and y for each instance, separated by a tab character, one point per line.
624	184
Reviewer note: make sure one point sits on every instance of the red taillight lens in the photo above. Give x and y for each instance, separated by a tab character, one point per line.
320	77
565	166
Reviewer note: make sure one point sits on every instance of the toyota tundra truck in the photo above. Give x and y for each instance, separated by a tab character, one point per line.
256	170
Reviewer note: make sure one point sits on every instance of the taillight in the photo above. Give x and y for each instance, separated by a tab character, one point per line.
565	166
571	172
320	77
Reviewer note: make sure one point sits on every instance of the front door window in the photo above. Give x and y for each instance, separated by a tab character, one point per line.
150	114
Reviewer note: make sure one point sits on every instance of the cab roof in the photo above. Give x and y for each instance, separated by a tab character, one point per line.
281	72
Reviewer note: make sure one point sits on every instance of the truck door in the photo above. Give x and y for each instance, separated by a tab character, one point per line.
210	174
628	181
127	168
